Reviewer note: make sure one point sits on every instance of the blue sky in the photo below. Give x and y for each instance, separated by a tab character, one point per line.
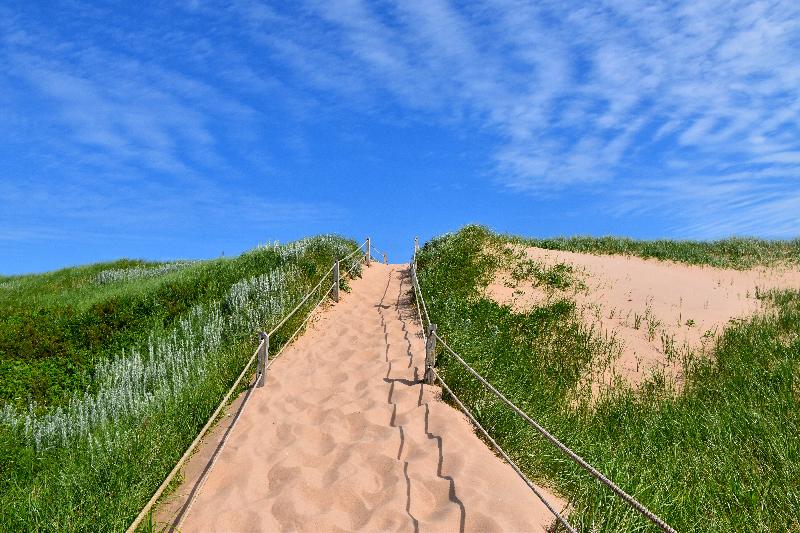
168	129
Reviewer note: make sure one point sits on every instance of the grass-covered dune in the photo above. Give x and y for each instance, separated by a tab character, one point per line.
736	253
722	454
108	371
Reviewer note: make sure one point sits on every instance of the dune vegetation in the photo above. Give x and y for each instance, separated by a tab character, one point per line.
108	371
738	253
720	454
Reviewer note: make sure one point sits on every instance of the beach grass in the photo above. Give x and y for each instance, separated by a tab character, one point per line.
737	253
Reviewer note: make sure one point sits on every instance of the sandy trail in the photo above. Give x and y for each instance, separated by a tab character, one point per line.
345	437
656	310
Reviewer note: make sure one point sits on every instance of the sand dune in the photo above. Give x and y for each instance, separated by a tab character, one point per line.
656	310
345	437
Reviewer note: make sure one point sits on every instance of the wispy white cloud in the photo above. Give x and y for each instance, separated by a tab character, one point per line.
71	212
579	94
125	143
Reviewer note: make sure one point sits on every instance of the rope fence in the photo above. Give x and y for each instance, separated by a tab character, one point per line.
262	355
355	265
431	376
432	338
380	253
504	454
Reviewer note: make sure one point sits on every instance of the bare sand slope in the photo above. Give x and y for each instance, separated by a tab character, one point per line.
656	310
345	437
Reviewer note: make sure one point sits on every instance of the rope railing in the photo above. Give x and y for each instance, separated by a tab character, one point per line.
262	353
304	300
354	252
300	327
379	253
353	266
204	476
376	250
505	455
424	320
417	299
262	361
432	375
418	289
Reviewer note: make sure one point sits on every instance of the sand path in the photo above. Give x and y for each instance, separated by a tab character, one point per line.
345	437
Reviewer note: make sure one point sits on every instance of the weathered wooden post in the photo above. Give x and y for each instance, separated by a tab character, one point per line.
263	354
336	281
430	354
369	251
385	259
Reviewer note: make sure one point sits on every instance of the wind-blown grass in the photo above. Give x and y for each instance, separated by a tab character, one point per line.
723	455
91	457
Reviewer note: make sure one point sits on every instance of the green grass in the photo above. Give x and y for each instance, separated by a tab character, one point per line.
106	380
559	276
737	253
723	455
55	327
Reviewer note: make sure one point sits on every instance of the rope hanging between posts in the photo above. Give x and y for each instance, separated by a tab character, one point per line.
430	354
431	376
505	455
241	409
336	281
263	354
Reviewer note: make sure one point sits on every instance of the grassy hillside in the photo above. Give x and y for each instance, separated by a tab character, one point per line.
108	371
723	455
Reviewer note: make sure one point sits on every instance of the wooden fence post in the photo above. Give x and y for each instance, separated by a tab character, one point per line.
336	281
263	355
369	251
430	354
